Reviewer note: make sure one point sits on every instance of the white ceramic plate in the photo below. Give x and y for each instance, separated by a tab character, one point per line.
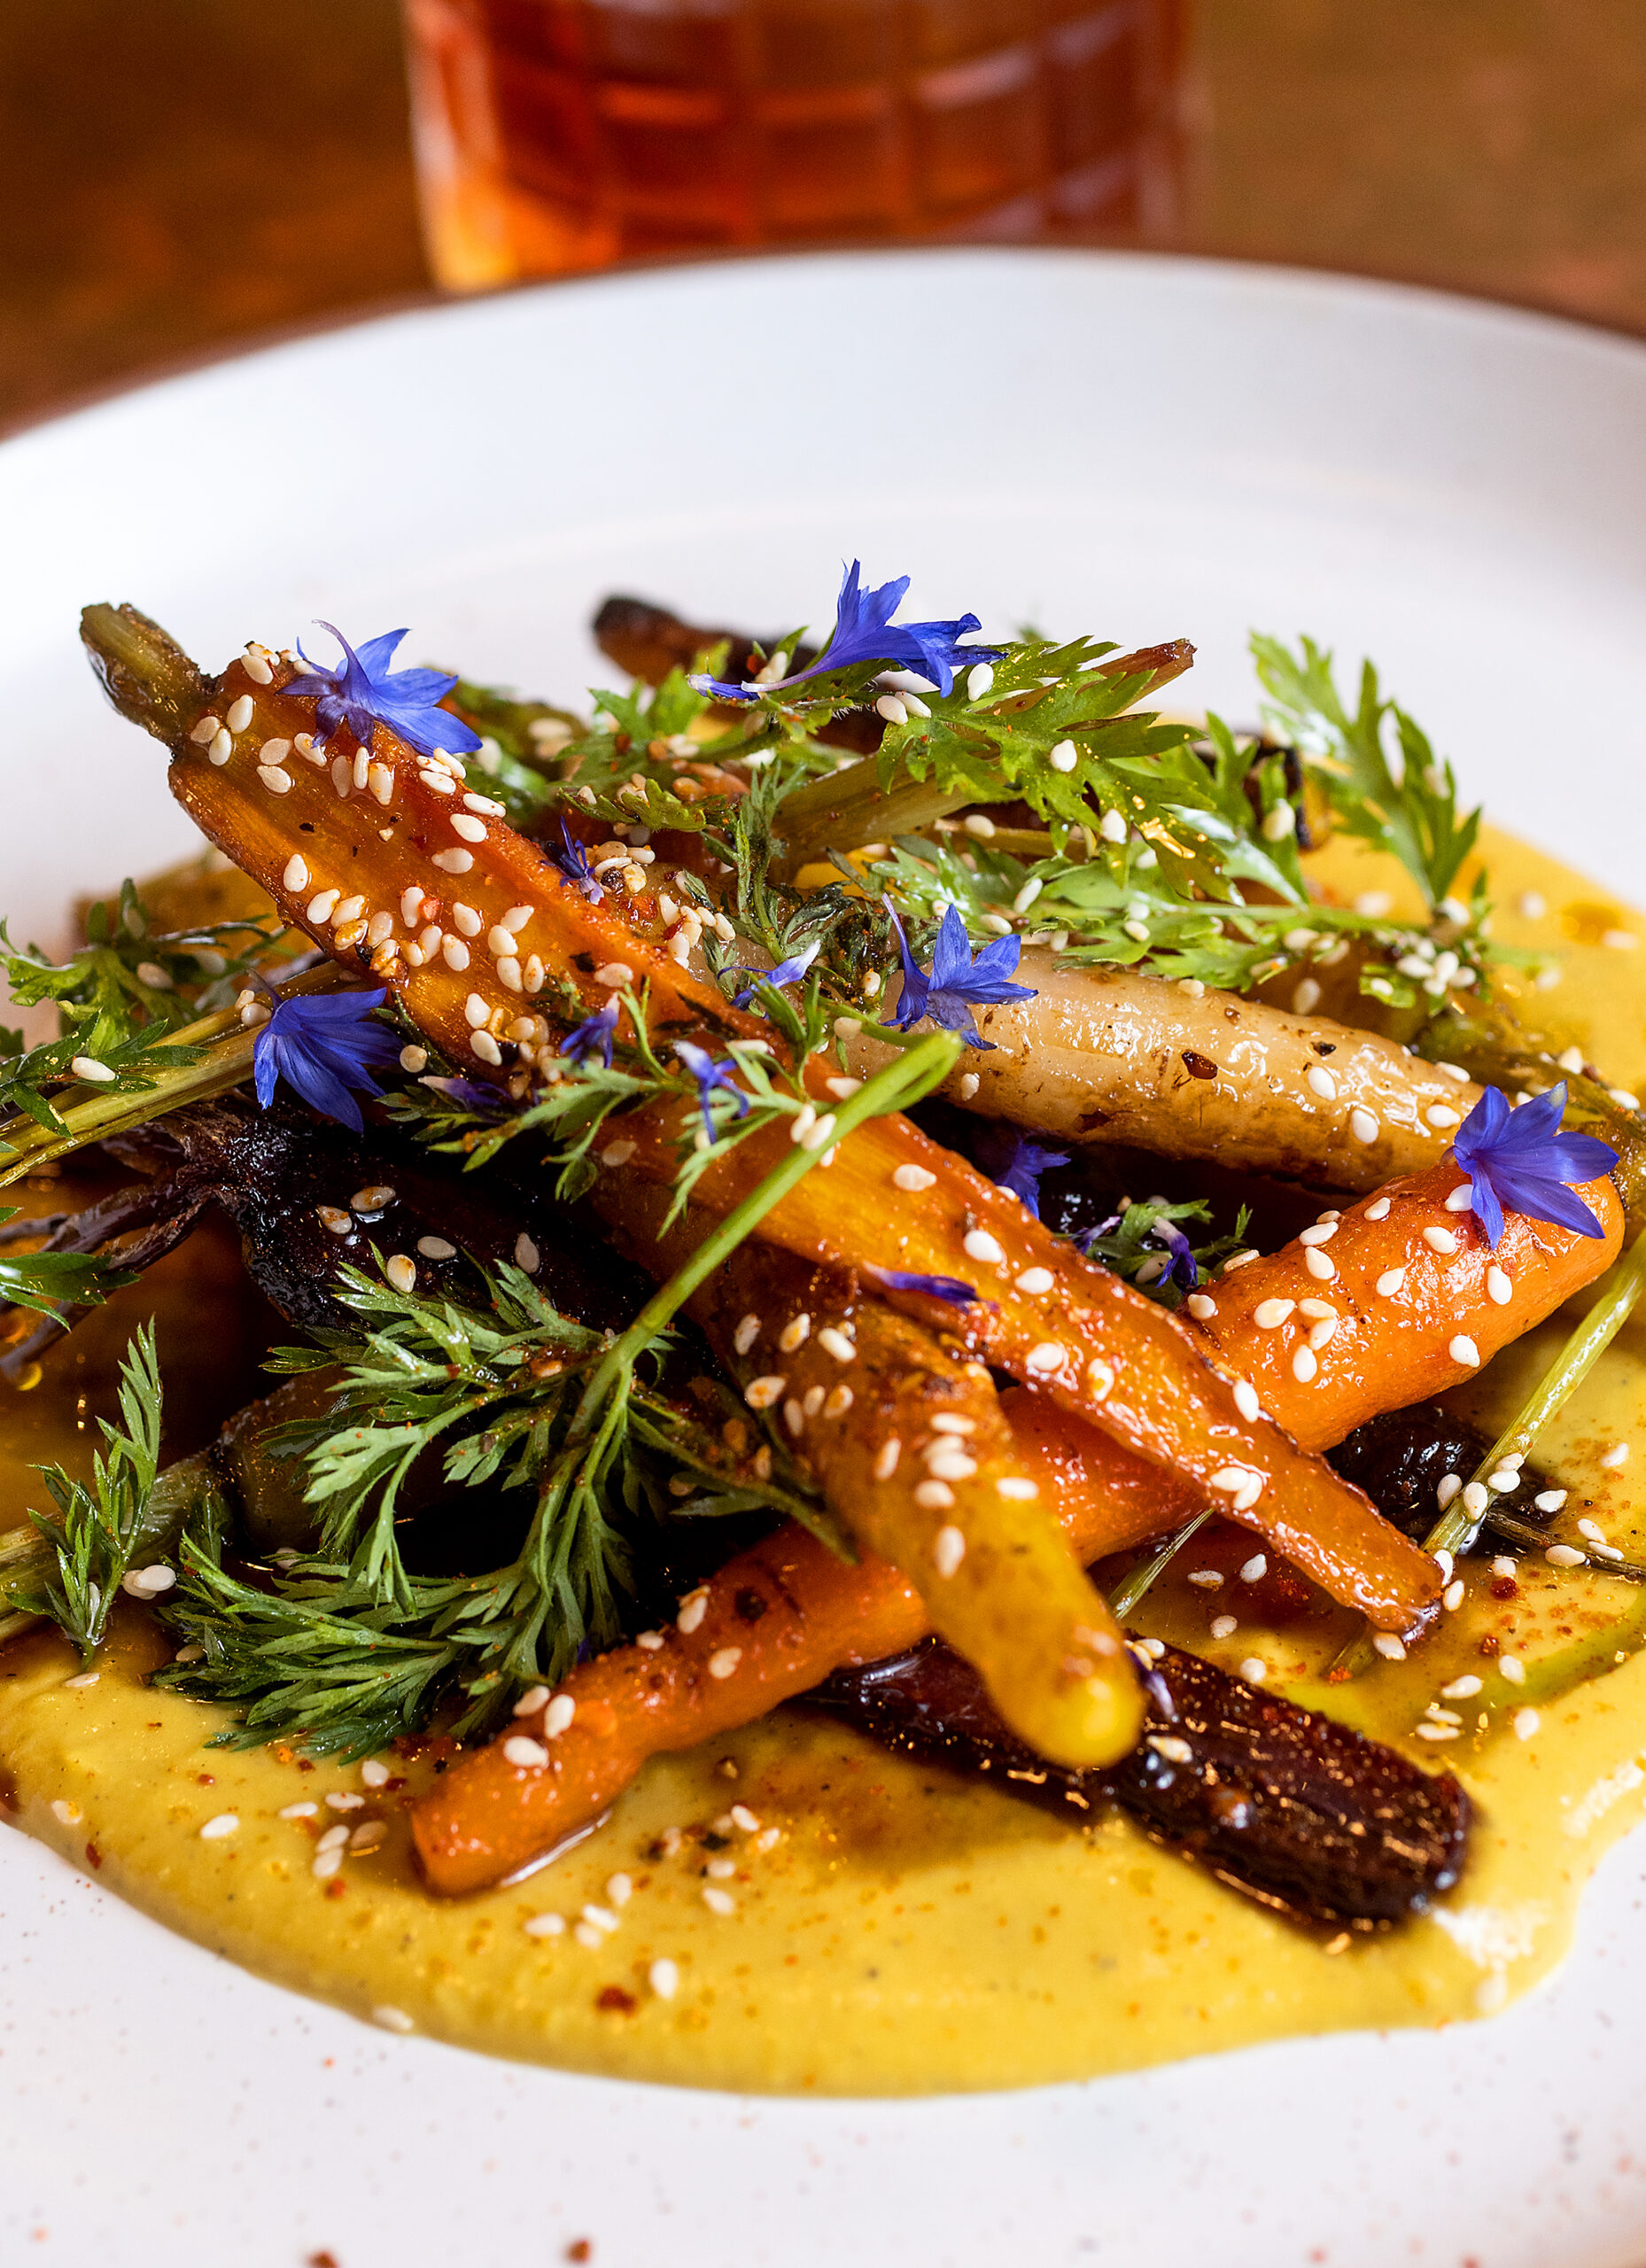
1136	446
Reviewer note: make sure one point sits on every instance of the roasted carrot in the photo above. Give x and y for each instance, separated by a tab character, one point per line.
904	1434
1106	1056
388	860
1398	1299
789	1609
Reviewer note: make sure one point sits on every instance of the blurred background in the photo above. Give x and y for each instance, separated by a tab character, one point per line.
180	177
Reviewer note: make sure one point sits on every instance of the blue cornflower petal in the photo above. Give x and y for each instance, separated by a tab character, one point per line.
709	1075
572	862
787	972
1021	1167
363	691
468	1094
1519	1160
865	631
935	1287
323	1046
592	1036
1183	1269
957	982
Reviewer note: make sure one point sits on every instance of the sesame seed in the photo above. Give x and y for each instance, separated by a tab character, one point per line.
527	1754
1064	756
1304	1367
1513	1669
1247	1401
1562	1554
1464	1350
274	779
1225	1625
87	1067
1046	1358
483	1044
1253	1669
723	1663
298	1810
761	1393
614	974
1036	1280
979	680
893	711
1388	1645
87	1677
393	2019
240	713
718	1901
1527	1721
885	1462
220	748
934	1496
1322	1232
913	1178
650	1641
1378	1210
1504	1481
1268	1314
1364	1124
560	1712
453	862
1321	1082
1437	1732
455	953
227	1822
401	1272
617	1153
746	1333
527	1257
664	1977
1461	1689
470	830
1320	1265
1027	896
1550	1500
835	1342
208	728
1100	1379
818	1136
436	1249
1450	1486
1452	1596
1018	1487
1231	1479
321	908
342	774
1617	1455
980	1245
1390	1282
333	1217
1620	940
1440	1116
546	1925
531	1701
946	1460
1255	1568
1442	1241
1460	1200
1207	1579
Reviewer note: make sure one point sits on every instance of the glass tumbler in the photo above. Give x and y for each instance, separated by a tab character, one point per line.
553	135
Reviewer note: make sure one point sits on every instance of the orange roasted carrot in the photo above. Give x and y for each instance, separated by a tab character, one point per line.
790	1609
399	867
1399	1299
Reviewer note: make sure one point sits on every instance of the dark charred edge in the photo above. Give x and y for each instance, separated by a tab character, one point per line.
272	1171
143	671
1400	1459
648	641
1314	1821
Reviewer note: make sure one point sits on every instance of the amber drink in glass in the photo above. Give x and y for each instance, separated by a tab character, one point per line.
560	135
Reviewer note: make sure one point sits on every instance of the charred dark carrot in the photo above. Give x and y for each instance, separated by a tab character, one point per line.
402	871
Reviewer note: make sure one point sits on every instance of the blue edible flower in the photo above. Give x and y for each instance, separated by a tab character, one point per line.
572	862
865	631
936	1287
592	1036
787	972
709	1075
365	692
957	983
1024	1161
468	1094
322	1045
1183	1269
1521	1160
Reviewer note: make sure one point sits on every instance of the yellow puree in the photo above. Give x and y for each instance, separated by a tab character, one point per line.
906	1931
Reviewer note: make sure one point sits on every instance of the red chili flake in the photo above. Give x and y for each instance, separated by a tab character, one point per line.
336	1887
1505	1587
204	1780
580	2249
617	2003
323	2260
93	1855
